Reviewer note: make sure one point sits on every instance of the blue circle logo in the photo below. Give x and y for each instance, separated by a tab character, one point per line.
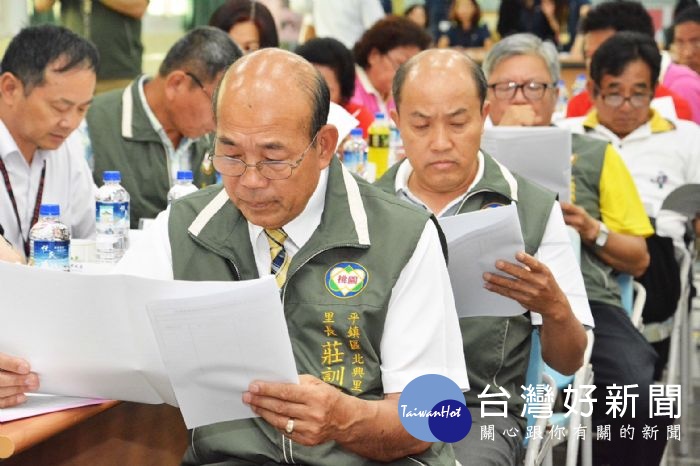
432	409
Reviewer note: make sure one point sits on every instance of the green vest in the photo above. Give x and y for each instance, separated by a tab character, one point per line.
334	337
586	169
123	139
497	349
118	38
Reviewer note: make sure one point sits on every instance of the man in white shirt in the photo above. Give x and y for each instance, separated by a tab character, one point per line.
344	20
661	155
47	84
441	108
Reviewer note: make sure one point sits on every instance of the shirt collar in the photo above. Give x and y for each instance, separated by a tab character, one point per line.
8	146
655	124
369	87
300	229
406	169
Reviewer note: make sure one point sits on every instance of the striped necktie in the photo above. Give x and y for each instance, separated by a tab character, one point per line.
280	260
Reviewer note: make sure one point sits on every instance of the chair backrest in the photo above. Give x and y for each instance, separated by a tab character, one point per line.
633	296
626	291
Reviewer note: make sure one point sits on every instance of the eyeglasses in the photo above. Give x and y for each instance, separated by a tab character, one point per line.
617	100
532	90
196	80
270	169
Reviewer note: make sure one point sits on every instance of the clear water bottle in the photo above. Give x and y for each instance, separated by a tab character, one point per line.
112	218
378	150
562	101
49	240
579	84
182	187
396	150
354	151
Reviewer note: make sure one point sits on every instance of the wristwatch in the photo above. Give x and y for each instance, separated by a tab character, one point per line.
602	237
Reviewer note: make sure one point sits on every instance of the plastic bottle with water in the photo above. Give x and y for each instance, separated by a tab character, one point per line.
579	84
378	149
182	187
396	149
49	240
354	151
562	101
112	218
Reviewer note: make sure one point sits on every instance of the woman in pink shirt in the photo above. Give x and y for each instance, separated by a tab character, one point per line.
378	54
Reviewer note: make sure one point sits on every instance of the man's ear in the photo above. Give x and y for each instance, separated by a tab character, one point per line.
11	88
394	114
174	82
591	88
326	140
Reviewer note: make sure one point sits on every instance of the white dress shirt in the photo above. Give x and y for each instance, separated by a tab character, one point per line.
345	20
415	342
68	183
555	249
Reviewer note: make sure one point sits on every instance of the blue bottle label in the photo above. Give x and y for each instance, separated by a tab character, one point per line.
112	212
52	254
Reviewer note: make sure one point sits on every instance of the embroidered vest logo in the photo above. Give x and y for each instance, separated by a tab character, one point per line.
346	279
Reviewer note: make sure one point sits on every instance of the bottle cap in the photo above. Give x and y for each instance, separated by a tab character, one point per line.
50	210
184	175
112	176
356	132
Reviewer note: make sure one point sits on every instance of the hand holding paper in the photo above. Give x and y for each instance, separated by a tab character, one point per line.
530	283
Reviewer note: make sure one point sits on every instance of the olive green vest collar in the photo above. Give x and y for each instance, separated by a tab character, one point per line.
496	179
222	228
135	124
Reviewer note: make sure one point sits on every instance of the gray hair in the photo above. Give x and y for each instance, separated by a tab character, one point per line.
205	51
523	44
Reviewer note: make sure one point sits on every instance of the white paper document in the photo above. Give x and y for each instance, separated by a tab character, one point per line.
541	154
475	241
41	403
91	336
212	354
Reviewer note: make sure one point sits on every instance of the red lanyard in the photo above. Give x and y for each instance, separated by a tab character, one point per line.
37	202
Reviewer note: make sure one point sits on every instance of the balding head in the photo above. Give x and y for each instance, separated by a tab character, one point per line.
456	66
261	77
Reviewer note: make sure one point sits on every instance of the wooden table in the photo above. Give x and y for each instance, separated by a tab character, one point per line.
110	434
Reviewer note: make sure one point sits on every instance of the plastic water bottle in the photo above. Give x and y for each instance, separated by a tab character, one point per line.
562	101
49	240
354	151
378	150
579	84
112	218
396	150
182	187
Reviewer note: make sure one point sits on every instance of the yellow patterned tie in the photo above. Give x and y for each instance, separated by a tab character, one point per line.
280	260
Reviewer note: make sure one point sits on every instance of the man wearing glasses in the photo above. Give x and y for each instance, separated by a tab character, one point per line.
362	277
157	126
661	154
610	219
